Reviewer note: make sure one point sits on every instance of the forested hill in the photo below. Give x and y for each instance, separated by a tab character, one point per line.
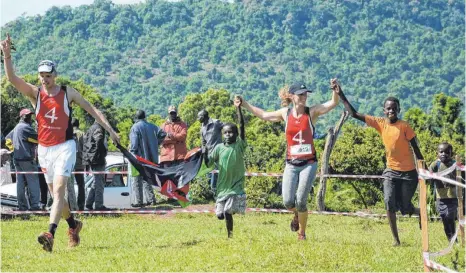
151	54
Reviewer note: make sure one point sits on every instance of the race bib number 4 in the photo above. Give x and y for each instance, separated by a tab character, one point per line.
302	149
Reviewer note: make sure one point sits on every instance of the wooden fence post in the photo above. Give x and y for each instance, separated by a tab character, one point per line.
423	213
329	143
459	190
324	170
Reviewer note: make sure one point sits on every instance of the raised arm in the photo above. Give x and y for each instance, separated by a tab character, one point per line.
324	108
337	88
274	116
240	119
29	90
96	114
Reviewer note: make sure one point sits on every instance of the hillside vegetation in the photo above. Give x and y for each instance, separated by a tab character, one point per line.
153	54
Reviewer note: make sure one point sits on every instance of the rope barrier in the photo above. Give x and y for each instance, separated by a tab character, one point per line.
427	174
99	172
449	170
437	266
448	249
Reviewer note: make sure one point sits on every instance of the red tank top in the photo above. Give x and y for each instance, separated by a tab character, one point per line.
299	138
53	115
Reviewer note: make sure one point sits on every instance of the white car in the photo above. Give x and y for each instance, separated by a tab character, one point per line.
117	192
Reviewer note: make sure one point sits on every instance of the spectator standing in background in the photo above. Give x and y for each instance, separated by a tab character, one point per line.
173	148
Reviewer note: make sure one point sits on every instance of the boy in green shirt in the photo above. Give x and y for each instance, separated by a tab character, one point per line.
229	157
447	200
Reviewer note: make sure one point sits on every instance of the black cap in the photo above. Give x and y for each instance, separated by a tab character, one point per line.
298	89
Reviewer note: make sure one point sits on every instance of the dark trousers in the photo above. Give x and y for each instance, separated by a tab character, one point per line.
44	189
447	209
81	190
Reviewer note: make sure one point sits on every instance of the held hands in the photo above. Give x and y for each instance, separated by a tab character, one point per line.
335	85
238	101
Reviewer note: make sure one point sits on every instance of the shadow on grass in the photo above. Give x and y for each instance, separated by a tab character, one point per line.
25	217
99	247
163	246
106	215
269	222
191	243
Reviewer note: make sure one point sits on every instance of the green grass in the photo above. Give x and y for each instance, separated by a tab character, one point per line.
198	242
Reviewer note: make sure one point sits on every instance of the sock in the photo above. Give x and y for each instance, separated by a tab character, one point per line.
71	222
52	229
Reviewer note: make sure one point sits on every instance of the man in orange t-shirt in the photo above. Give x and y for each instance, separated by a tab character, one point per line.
400	176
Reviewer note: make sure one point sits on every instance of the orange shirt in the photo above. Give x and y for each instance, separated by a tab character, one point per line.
396	139
174	147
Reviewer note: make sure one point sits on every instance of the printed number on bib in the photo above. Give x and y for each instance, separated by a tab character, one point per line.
51	115
301	149
298	137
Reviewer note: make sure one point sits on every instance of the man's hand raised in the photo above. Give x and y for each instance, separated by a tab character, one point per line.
6	46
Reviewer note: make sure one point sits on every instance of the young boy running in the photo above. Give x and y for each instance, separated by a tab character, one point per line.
229	157
447	200
400	176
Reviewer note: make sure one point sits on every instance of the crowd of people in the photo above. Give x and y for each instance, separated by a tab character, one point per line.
59	147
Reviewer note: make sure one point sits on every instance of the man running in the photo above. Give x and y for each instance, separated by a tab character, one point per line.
57	148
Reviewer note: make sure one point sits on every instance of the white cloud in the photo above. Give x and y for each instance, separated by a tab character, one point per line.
12	9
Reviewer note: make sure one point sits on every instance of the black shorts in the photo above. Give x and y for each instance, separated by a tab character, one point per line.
398	190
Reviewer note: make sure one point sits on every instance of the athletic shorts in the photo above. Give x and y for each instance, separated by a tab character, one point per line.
57	160
398	189
231	205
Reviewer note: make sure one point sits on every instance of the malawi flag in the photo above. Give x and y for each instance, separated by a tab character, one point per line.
173	181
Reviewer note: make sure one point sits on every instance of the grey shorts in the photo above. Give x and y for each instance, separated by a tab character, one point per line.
231	205
398	190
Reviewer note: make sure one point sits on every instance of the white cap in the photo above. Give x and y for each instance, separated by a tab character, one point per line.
46	66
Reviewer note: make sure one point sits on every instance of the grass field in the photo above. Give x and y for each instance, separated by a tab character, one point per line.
198	242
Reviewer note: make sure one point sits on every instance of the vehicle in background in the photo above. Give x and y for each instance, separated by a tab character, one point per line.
117	193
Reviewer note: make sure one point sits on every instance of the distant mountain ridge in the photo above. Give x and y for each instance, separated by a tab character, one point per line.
152	54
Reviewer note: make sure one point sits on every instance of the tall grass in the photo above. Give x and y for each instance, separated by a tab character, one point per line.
198	242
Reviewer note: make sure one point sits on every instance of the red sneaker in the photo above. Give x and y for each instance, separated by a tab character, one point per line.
46	240
73	234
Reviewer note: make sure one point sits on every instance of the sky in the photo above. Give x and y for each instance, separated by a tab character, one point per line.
12	9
